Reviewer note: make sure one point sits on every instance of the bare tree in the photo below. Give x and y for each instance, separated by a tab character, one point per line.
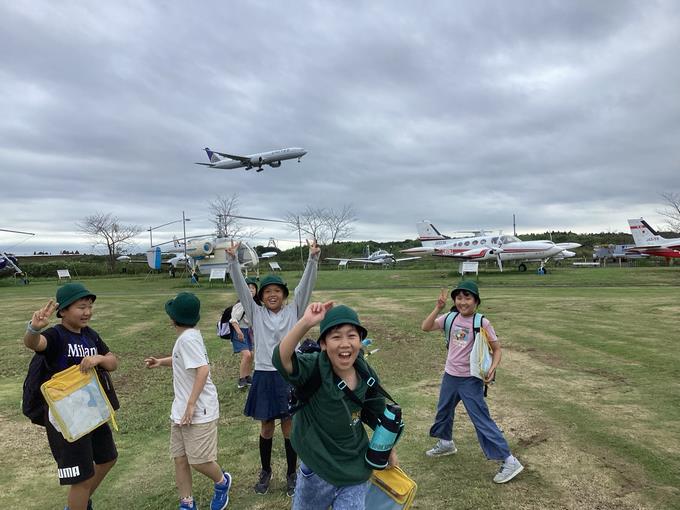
227	222
339	223
311	222
672	210
105	229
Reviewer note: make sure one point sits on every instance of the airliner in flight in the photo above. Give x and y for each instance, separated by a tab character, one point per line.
224	161
500	248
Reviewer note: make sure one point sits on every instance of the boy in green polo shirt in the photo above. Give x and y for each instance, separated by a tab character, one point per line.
328	433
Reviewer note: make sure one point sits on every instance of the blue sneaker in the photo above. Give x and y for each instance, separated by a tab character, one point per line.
220	499
185	506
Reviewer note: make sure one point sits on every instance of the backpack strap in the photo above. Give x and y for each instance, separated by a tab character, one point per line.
448	323
372	384
477	323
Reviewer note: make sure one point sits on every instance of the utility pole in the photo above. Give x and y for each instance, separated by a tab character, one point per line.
184	228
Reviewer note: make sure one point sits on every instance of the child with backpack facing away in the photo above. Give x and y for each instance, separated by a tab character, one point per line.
271	320
195	408
458	383
84	463
242	336
328	431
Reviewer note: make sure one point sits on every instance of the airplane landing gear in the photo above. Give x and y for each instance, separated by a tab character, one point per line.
522	267
259	169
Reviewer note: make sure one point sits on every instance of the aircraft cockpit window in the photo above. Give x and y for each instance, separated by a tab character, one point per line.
494	240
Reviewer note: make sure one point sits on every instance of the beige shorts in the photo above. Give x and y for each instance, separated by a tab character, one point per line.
197	441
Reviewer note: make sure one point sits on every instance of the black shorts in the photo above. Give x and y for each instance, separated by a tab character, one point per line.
75	461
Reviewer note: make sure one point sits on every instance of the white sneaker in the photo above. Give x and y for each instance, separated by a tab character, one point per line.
441	449
508	471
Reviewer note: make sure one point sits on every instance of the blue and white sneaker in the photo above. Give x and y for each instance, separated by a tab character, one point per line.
186	506
220	499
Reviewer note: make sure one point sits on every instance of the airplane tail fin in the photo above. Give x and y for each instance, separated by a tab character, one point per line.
214	158
643	234
428	233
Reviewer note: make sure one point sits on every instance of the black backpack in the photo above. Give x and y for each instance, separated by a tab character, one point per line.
223	327
33	403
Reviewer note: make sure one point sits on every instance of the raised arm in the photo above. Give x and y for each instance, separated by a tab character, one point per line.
429	322
240	285
313	315
303	291
40	320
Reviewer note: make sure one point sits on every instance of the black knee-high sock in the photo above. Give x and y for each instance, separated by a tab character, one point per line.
266	453
291	457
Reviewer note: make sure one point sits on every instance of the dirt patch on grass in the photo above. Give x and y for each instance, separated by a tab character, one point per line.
26	449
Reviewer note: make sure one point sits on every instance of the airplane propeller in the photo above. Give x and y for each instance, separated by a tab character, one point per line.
499	250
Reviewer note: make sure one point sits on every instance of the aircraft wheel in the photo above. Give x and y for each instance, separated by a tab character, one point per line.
522	267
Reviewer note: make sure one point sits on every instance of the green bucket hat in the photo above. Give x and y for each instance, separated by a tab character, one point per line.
70	293
272	279
341	315
252	281
469	286
184	309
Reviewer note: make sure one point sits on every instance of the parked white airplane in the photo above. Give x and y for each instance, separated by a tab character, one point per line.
500	248
380	257
648	241
225	161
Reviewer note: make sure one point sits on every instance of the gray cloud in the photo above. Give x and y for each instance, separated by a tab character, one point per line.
463	113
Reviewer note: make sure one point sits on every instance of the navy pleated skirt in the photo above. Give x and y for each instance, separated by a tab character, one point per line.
268	396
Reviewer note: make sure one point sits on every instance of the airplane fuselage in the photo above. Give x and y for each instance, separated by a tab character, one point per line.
272	158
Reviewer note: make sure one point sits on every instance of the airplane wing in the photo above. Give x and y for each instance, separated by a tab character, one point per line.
358	261
242	159
426	250
204	164
406	258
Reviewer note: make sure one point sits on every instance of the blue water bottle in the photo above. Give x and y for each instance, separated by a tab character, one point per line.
384	437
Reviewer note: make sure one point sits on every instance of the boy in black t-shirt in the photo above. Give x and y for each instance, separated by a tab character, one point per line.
84	463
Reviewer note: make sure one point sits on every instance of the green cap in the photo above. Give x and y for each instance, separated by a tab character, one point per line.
341	315
469	286
252	281
272	279
71	292
184	309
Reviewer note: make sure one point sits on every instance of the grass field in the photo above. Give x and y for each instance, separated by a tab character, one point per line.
588	393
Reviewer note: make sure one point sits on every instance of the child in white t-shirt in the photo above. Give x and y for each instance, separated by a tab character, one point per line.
195	408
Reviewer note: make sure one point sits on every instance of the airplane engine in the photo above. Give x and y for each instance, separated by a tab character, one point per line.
206	248
200	248
256	161
275	164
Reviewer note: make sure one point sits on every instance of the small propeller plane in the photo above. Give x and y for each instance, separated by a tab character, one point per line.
378	257
500	248
222	160
648	241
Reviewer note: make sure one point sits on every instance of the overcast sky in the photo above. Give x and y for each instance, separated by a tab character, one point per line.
566	114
